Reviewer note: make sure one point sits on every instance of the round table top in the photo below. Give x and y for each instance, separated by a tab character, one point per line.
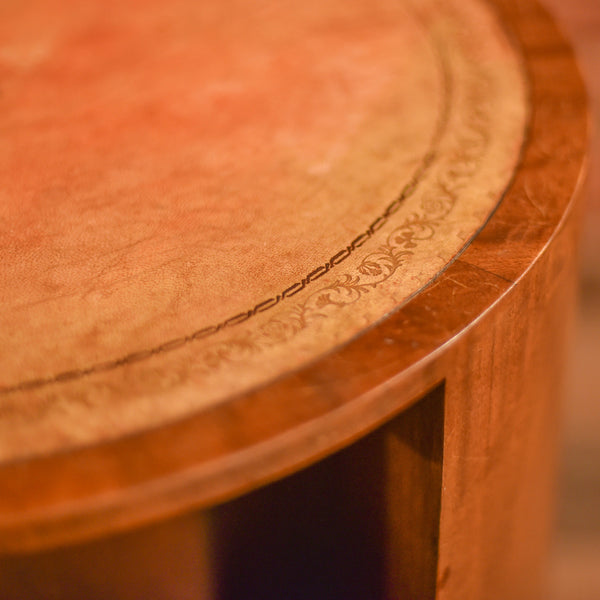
209	213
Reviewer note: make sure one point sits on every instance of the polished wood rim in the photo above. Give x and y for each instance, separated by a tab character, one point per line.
254	438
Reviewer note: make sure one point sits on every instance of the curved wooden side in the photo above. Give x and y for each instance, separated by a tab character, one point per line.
503	391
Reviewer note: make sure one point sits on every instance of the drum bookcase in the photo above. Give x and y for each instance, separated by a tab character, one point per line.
286	290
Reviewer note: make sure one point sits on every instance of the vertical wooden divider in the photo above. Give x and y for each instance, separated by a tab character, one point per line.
413	444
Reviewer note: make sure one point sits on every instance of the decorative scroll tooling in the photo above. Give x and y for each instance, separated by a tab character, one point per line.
459	165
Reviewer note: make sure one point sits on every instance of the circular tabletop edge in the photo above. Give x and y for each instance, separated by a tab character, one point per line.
161	472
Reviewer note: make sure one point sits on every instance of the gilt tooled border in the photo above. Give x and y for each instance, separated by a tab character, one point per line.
380	264
419	174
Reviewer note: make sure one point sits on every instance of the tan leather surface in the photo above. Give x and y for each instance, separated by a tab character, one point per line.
198	197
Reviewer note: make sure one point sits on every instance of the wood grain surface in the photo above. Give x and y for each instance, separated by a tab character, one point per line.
490	327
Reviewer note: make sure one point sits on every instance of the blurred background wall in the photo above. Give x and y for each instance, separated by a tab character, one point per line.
576	554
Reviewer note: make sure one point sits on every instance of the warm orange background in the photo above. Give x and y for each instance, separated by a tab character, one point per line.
576	560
